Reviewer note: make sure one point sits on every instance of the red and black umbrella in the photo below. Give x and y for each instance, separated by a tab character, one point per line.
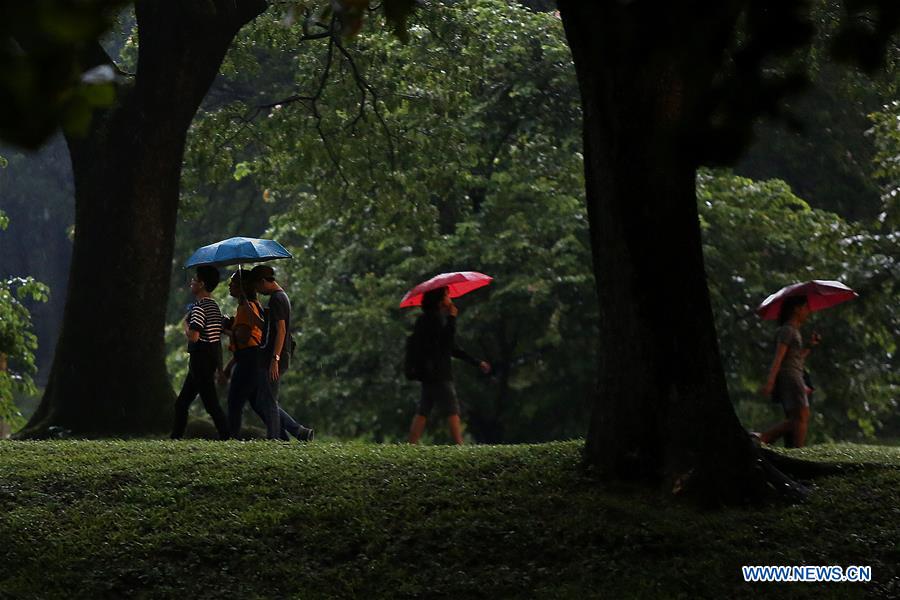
819	294
459	283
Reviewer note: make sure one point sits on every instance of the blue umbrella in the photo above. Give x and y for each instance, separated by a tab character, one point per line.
237	250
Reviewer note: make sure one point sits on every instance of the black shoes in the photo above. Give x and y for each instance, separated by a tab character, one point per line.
306	434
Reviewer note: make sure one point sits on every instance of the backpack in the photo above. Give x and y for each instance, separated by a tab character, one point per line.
287	353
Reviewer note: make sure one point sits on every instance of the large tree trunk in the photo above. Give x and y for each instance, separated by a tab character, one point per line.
662	412
109	374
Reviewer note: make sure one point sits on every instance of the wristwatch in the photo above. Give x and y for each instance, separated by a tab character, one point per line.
276	357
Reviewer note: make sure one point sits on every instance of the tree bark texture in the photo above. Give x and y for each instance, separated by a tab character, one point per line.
109	374
662	411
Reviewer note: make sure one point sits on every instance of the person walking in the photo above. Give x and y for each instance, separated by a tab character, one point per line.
246	331
785	382
203	330
274	357
434	338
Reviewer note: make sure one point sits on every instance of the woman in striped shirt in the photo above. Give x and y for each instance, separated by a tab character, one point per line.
203	330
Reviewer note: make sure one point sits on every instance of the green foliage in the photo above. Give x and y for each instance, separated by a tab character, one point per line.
36	195
886	136
17	342
44	68
461	150
758	237
816	141
269	520
373	205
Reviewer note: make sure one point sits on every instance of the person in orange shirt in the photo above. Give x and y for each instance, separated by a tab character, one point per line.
246	334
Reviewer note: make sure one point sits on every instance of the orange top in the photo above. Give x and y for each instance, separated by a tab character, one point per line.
242	317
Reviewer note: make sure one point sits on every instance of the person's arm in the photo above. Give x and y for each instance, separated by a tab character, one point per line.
780	351
280	335
194	325
813	342
455	350
484	365
223	375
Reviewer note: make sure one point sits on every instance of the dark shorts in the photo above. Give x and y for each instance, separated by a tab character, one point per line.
442	393
790	390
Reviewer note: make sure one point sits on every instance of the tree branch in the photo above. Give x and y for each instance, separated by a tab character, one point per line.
364	86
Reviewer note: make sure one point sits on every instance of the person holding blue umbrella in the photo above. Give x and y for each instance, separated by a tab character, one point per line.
246	330
274	352
241	250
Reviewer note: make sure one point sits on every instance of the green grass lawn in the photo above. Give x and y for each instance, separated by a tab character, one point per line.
194	519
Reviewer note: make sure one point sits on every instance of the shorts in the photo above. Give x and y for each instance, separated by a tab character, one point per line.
442	393
790	390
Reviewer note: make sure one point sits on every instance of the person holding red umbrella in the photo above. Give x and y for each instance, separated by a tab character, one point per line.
434	341
785	382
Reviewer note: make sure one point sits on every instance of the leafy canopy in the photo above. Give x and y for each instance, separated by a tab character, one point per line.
461	150
17	342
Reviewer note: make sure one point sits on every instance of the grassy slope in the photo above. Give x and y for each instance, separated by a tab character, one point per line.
264	520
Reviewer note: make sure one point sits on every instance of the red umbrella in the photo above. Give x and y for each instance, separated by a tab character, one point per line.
819	294
459	283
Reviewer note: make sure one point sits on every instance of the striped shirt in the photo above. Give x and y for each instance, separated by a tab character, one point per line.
206	318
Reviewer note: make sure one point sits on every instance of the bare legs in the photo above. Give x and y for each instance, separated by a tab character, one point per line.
800	426
455	432
418	426
796	424
416	429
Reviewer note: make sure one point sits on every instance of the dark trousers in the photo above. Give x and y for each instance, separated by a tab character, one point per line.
242	388
289	425
244	381
200	380
266	405
250	383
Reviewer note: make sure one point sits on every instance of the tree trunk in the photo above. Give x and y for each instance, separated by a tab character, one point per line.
109	374
662	412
